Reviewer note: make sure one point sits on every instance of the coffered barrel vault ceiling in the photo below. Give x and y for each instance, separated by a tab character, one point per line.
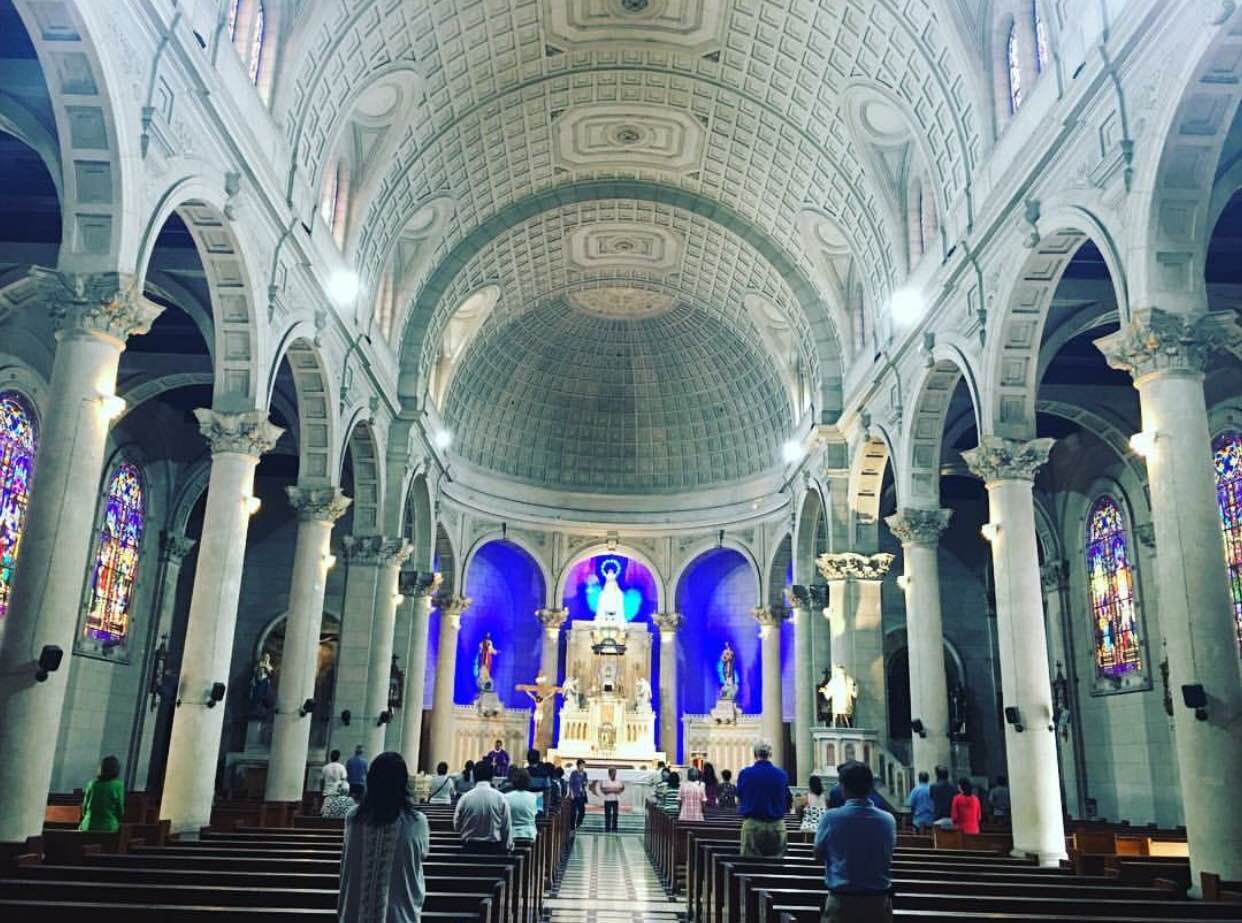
633	176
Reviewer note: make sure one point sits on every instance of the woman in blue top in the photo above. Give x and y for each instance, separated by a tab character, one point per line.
523	806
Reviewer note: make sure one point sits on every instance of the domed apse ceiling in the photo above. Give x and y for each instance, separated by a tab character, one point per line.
579	396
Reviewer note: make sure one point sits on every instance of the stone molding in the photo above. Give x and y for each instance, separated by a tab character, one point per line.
376	550
247	433
552	619
913	526
1163	342
174	547
108	304
318	504
668	622
451	609
768	618
999	459
850	565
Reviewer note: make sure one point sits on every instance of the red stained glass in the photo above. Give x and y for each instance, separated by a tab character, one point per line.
18	444
116	562
1110	577
1227	457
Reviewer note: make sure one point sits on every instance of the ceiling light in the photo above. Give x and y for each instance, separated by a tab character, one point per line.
791	451
906	306
343	286
442	439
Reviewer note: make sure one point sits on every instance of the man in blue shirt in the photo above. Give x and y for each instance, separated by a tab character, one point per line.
922	807
856	842
762	791
356	769
578	792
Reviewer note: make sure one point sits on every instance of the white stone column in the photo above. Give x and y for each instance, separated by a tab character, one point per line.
550	667
237	440
771	722
855	621
1008	470
446	678
94	316
173	549
353	662
804	690
415	672
1166	353
317	508
391	554
919	530
669	623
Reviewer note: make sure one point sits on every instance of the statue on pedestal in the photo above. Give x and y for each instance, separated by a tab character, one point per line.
484	663
260	698
571	690
823	709
642	694
726	672
958	709
841	691
611	608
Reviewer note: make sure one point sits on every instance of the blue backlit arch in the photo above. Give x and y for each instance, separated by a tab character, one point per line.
623	551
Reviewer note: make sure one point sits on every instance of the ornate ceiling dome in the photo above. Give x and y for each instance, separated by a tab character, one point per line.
572	399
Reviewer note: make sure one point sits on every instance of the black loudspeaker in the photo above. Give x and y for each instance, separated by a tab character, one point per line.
49	661
1014	717
1195	696
307	707
346	717
384	717
917	726
217	694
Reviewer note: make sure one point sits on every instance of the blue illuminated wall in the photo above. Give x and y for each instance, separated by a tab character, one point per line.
505	588
715	596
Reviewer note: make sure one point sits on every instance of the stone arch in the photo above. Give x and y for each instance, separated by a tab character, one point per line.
807	524
446	554
17	376
1111	432
778	563
187	493
626	550
699	549
1174	188
363	446
151	388
236	348
1011	364
919	483
96	159
420	522
873	456
317	421
517	541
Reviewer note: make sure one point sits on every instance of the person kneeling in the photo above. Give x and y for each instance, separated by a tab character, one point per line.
482	817
856	842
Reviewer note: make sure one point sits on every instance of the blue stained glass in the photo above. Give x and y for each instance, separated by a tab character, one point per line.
1227	458
1110	577
18	444
116	563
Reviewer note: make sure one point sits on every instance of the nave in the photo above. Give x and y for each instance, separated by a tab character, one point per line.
609	879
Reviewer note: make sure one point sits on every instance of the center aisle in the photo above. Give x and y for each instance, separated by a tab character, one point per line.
609	880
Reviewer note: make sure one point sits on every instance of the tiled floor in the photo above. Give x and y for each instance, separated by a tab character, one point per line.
610	880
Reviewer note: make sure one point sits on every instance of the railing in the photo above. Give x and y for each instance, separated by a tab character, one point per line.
834	746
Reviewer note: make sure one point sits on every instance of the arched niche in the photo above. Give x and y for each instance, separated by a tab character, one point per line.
272	642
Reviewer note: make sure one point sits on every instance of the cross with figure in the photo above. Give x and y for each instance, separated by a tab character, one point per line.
540	691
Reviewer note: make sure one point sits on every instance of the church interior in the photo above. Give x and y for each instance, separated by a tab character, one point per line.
633	380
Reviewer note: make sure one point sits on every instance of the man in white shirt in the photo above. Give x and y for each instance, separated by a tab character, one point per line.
333	774
482	818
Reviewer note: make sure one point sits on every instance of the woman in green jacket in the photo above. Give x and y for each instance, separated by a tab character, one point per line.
103	806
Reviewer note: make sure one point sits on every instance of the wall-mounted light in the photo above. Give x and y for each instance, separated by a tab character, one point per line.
110	406
791	451
1144	443
990	530
397	599
442	439
906	306
329	561
251	504
903	582
344	286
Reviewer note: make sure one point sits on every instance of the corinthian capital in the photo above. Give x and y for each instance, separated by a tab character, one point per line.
997	459
318	504
109	304
247	433
767	618
914	526
451	609
376	550
849	565
1158	341
668	622
552	619
174	547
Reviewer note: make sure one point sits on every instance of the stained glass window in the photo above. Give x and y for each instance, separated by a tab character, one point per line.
116	562
256	43
18	443
1110	576
1227	455
1013	61
1043	54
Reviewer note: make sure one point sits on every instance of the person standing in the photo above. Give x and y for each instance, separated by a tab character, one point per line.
464	781
338	803
814	804
523	807
499	759
692	796
942	793
922	808
482	818
966	809
856	842
666	794
711	785
998	799
726	793
333	774
356	769
441	791
103	803
578	792
386	843
762	789
611	791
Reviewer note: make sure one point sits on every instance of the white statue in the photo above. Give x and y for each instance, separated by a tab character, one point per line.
611	608
841	692
642	694
571	690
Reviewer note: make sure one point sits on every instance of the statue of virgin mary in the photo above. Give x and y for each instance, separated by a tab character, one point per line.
611	608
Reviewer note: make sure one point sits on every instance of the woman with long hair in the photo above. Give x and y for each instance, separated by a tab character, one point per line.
813	804
386	843
103	803
710	784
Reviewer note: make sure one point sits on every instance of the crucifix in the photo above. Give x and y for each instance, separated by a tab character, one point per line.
540	691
